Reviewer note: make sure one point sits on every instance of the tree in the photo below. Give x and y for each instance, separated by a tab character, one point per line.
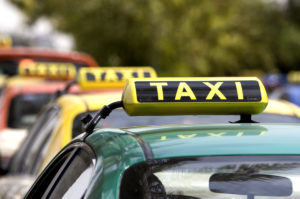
178	37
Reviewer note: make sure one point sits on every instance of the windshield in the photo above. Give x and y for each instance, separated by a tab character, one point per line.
31	148
21	116
10	67
119	119
230	177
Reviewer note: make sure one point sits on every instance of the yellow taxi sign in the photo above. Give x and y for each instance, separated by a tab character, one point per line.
293	77
174	96
111	77
52	70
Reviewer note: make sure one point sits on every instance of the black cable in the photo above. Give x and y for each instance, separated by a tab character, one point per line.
91	122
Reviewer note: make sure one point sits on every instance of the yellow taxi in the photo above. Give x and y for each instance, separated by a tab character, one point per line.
68	124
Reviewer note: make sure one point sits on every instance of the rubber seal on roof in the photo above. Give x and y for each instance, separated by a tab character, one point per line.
144	145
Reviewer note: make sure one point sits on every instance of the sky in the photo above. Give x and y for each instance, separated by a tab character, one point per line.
42	33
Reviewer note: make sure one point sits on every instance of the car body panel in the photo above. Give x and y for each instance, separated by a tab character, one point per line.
10	139
218	139
18	53
282	107
115	154
118	151
12	91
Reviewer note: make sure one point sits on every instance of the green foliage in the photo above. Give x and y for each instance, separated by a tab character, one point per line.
178	37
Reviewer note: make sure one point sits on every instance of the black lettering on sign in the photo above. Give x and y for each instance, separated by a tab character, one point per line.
55	69
198	91
114	76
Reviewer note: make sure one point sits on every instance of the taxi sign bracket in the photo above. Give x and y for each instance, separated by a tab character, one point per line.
245	118
91	122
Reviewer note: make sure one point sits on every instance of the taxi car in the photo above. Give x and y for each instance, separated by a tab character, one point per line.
57	125
35	92
285	86
88	78
15	117
11	57
241	159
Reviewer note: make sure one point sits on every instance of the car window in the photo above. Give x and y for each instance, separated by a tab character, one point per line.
8	67
21	116
26	158
67	177
237	177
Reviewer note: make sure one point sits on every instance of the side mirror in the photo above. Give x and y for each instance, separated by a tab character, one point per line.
250	184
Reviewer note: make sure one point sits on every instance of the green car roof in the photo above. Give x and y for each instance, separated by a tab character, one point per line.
215	139
118	149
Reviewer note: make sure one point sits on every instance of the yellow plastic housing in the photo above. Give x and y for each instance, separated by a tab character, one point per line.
194	96
293	77
111	77
50	70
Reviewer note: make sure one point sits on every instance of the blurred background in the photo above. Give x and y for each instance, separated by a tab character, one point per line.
176	37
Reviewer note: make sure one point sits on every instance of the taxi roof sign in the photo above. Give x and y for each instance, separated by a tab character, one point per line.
293	77
52	70
184	96
111	77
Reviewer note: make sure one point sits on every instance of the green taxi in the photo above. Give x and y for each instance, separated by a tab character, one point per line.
242	159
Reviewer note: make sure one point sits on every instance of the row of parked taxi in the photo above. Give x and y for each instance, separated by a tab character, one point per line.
70	129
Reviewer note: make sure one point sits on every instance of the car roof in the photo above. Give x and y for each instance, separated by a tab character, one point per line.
213	140
91	101
282	107
38	53
119	149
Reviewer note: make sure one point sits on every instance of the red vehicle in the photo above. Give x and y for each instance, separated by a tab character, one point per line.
10	58
20	104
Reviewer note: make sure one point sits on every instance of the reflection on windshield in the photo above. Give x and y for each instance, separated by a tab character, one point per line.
119	119
215	178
